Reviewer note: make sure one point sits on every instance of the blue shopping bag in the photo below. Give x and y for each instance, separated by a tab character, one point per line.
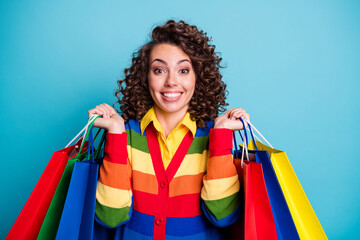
285	227
77	219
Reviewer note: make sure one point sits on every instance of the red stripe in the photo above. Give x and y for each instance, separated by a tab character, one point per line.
184	206
116	148
144	202
180	206
220	141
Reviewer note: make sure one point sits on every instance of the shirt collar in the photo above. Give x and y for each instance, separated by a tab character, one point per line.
150	116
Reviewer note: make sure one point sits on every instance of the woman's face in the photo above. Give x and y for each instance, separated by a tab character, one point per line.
171	79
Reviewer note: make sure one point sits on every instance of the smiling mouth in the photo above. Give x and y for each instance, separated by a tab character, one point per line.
171	95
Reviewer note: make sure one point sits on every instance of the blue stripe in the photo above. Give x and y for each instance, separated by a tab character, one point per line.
121	232
101	232
204	131
210	124
141	223
200	131
134	125
186	226
211	234
133	235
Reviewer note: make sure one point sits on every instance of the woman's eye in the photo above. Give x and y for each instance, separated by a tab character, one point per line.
158	70
185	70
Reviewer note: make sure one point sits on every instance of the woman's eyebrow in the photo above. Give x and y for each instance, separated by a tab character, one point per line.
184	60
162	61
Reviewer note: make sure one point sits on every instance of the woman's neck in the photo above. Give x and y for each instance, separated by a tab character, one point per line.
169	121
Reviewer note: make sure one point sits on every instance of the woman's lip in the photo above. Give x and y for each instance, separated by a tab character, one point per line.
171	99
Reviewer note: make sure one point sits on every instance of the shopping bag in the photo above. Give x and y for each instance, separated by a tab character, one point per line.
306	222
77	219
30	219
257	221
51	222
305	219
52	219
284	223
257	215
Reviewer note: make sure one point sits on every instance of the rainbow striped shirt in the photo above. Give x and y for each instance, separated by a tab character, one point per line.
196	194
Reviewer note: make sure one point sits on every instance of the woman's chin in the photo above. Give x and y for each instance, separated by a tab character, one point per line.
168	109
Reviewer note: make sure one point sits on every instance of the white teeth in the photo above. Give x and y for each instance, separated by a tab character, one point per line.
171	95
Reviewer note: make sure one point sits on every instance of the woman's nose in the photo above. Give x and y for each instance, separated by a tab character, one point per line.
171	80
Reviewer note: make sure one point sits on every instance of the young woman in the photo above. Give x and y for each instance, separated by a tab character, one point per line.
168	171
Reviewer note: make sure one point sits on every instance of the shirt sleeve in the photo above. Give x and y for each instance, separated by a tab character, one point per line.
113	205
220	191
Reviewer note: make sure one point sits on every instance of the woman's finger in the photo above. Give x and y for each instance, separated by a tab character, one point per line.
236	113
241	114
99	110
111	109
94	111
231	113
105	111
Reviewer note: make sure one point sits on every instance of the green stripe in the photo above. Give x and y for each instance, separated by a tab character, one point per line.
137	141
198	145
223	207
111	216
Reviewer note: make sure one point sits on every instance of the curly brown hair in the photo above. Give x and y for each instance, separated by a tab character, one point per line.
210	91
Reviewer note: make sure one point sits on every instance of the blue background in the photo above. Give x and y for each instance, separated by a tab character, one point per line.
293	65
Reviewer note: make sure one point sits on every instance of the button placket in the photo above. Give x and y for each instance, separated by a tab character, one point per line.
164	176
160	218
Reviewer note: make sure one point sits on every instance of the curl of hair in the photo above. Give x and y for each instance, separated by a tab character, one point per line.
210	91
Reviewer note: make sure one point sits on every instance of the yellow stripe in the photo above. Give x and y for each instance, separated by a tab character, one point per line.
193	164
129	153
113	197
211	188
143	163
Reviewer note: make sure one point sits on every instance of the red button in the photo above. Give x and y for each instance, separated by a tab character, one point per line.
163	184
159	221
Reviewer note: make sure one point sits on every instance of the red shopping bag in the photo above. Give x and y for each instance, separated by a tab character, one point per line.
257	221
29	221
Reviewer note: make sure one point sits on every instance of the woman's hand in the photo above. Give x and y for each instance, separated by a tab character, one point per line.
111	120
231	120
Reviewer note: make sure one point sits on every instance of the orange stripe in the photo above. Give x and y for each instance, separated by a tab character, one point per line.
115	175
145	182
188	184
220	167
